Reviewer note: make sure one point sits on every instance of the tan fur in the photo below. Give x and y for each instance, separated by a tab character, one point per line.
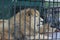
19	22
6	36
5	25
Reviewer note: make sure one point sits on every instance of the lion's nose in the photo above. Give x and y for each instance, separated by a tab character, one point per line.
41	23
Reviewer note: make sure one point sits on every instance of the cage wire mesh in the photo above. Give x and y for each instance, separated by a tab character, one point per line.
30	20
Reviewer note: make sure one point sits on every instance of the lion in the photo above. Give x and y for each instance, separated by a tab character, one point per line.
27	18
27	22
30	23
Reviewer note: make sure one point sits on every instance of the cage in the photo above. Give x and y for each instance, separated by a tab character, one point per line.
29	20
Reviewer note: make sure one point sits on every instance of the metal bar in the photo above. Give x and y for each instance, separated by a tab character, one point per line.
14	19
34	24
57	18
39	19
43	16
52	29
9	29
52	18
9	24
48	22
19	28
3	19
25	21
34	21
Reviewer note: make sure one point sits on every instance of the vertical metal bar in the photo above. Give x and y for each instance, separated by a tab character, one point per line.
48	22
3	19
34	21
53	17
19	28
9	29
57	9
43	16
58	19
44	30
9	24
55	21
39	19
52	23
25	21
14	19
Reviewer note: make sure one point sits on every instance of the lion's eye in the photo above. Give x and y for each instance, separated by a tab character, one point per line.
29	14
